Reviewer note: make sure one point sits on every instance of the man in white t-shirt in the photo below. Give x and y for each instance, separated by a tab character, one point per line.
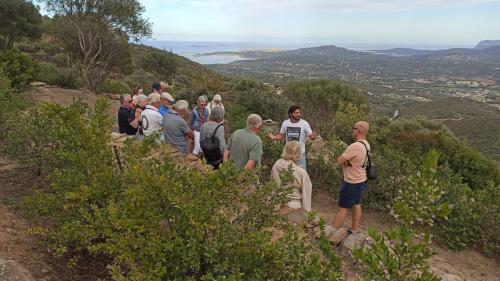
151	118
295	129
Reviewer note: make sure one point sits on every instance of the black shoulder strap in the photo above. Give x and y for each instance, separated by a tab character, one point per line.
215	132
367	153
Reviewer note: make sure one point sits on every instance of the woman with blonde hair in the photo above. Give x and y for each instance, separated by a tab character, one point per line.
301	185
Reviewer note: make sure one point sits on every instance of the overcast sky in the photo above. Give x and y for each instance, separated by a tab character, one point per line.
455	22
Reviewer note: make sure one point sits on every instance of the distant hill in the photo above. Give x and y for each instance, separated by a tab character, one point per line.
401	52
474	121
487	44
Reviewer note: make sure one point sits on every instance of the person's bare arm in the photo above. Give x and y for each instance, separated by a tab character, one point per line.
250	165
190	134
313	135
135	123
277	137
342	161
226	155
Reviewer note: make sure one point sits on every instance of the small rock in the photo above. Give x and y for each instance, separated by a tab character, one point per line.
10	231
12	271
309	225
316	220
450	277
356	240
44	271
329	231
37	84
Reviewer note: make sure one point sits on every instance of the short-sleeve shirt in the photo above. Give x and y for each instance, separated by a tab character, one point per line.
244	145
151	120
356	155
175	130
207	131
163	110
125	116
296	131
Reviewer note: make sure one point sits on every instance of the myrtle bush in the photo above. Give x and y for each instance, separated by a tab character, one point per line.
402	253
154	218
52	75
474	221
18	67
114	87
419	203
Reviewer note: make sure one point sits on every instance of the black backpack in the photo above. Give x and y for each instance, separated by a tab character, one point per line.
371	169
211	149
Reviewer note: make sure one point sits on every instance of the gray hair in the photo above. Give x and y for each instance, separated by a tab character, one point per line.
217	98
202	99
181	105
123	97
139	98
154	97
216	114
254	121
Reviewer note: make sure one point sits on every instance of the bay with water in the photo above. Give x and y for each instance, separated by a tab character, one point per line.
202	52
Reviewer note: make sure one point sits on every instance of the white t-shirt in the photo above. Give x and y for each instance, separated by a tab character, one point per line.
296	131
151	121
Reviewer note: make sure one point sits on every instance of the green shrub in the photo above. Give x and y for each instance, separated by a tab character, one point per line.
416	136
255	97
13	102
19	67
114	87
393	166
157	220
320	100
401	253
52	75
475	220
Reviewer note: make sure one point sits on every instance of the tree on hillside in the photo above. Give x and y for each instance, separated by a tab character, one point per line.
96	33
321	99
163	64
18	19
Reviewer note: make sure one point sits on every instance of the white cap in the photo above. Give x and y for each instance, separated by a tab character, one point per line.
167	96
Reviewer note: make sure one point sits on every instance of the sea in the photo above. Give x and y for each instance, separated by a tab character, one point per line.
202	52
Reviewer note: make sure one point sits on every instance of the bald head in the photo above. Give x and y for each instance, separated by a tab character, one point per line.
362	127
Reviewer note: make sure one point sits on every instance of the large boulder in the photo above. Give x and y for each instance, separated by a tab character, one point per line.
12	271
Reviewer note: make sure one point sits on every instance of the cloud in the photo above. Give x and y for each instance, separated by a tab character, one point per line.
264	5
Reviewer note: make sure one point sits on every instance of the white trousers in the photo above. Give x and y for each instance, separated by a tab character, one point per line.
197	149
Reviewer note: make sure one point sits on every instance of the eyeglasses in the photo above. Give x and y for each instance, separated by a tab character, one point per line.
354	128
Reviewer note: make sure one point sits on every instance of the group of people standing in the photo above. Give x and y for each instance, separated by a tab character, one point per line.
200	131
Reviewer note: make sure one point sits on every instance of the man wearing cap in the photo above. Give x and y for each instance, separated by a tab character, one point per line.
353	164
156	88
151	118
166	101
175	129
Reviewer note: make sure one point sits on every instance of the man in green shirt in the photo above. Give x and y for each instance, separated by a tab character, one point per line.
244	147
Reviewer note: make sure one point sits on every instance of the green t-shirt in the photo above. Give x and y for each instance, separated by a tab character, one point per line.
244	145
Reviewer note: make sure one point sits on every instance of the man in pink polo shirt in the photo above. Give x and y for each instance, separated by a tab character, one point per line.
353	163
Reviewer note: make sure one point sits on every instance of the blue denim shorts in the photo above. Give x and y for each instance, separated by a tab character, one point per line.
351	194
